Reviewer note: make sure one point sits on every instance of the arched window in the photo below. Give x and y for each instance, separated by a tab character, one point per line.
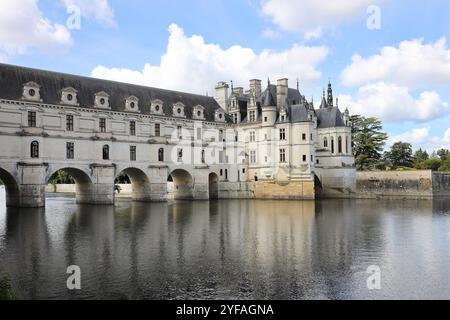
161	155
346	145
340	145
105	152
332	145
325	142
34	149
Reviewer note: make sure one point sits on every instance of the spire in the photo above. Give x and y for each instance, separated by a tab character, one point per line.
268	81
298	85
232	86
337	102
330	95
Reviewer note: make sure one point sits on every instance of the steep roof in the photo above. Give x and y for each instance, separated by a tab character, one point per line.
329	117
12	79
293	97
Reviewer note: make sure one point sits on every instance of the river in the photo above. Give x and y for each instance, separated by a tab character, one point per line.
228	249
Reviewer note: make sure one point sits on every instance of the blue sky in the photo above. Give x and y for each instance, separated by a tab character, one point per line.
206	41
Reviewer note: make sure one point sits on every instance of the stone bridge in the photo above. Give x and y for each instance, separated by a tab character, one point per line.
25	181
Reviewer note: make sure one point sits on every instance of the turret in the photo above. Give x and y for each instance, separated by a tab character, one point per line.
268	107
330	95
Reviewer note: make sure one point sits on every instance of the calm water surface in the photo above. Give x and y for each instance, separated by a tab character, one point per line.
231	249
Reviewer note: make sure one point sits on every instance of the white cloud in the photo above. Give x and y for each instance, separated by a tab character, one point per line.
99	10
414	64
190	64
421	138
393	103
311	17
23	27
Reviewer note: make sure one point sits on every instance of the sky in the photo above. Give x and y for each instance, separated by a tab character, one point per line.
385	58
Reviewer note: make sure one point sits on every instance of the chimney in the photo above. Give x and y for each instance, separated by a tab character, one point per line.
222	95
282	92
255	87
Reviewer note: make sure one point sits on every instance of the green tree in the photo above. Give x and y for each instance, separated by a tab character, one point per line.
421	156
443	154
401	154
368	141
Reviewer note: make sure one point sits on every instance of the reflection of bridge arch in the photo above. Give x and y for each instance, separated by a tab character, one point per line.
140	183
84	187
183	184
11	188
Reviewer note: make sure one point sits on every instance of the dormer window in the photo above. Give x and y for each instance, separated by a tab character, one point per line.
157	107
69	96
199	112
31	91
102	100
178	110
132	104
219	116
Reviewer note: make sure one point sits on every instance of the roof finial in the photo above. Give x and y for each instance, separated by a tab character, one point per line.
298	85
337	102
232	86
268	81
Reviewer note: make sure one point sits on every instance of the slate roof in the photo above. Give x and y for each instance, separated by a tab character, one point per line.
12	79
293	97
329	117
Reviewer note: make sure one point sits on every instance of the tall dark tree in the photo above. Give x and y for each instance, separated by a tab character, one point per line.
443	154
401	154
368	141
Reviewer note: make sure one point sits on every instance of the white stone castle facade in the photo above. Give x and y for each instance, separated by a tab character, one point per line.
268	143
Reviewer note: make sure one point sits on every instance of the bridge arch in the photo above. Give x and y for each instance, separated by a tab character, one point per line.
140	183
181	184
84	188
213	183
11	188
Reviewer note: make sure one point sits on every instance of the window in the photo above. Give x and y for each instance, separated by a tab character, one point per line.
221	135
283	155
243	170
32	119
265	119
252	116
180	155
157	130
283	118
226	174
282	134
70	150
161	155
235	118
346	145
304	158
180	132
105	152
203	156
132	128
340	145
132	153
221	172
102	125
252	156
311	137
34	150
332	145
325	142
69	122
256	178
312	158
304	136
252	136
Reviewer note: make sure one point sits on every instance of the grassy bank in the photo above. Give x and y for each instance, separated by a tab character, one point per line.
6	290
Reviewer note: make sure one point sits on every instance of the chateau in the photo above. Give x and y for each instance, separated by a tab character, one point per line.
265	142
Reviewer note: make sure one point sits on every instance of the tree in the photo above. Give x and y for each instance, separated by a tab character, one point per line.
443	154
401	154
368	141
421	156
